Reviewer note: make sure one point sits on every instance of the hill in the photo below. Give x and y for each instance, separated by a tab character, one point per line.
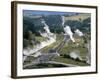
78	17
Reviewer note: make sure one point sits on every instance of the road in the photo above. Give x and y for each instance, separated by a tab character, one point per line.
62	43
51	62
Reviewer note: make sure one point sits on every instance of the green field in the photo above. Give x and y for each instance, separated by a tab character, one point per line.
65	50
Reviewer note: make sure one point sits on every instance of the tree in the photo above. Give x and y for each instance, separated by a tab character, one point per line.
25	43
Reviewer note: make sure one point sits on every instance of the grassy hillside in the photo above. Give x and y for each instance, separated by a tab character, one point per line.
78	17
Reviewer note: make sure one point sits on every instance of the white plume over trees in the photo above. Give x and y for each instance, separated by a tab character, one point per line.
63	20
68	31
78	32
48	34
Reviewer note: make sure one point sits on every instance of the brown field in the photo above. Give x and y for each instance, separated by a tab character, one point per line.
78	17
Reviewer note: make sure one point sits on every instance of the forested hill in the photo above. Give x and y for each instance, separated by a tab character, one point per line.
33	23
